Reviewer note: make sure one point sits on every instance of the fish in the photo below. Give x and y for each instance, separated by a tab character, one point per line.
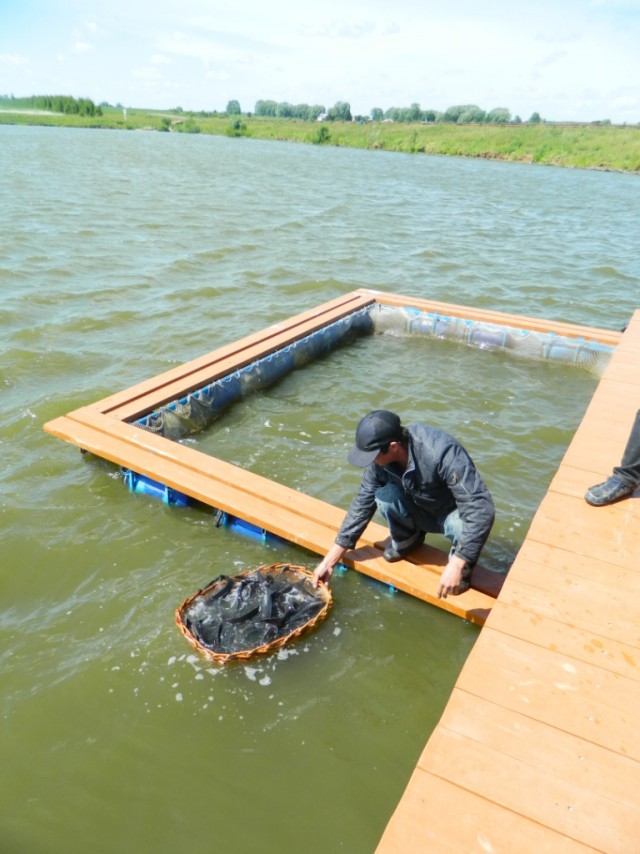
253	609
244	616
225	587
209	634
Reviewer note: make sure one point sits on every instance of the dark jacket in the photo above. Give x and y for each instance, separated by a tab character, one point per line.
439	477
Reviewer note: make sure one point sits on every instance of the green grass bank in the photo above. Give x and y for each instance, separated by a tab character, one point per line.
608	147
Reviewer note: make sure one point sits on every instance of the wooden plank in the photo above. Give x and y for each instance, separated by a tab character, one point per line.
516	321
586	608
595	465
483	579
623	365
605	610
176	383
198	485
303	520
612	397
565	756
577	788
600	440
593	647
436	816
589	702
473	605
605	533
619	576
632	335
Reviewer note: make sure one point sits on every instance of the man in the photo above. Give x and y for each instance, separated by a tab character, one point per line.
625	477
422	481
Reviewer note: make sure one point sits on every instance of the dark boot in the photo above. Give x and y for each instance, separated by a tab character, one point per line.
391	554
608	492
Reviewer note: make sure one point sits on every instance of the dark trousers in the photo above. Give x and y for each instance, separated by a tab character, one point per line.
629	469
406	520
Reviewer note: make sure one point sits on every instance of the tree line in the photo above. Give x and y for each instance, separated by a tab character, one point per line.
53	103
341	111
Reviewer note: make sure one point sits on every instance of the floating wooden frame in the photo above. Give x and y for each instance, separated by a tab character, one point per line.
111	428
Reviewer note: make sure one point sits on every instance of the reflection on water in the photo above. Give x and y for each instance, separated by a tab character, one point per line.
123	255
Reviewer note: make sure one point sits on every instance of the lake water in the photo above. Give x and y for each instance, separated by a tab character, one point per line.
123	254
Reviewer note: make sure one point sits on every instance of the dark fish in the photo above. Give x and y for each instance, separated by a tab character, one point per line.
247	611
282	591
278	622
209	634
244	616
224	588
300	617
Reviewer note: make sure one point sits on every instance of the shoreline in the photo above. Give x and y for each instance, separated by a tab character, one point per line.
606	148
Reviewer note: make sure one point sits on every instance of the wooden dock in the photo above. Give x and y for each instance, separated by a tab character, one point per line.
538	749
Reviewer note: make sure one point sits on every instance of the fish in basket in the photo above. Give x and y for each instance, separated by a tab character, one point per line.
254	612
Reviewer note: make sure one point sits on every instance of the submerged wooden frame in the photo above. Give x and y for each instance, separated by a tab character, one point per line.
105	429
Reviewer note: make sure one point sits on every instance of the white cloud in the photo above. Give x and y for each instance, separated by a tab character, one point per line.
13	60
147	73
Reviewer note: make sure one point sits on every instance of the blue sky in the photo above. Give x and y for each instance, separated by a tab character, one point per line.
572	60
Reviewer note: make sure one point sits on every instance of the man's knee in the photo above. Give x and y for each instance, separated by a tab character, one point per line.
389	496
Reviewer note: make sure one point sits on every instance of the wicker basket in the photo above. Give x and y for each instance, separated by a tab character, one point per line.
242	655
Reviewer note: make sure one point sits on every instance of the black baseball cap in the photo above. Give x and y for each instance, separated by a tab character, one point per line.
374	431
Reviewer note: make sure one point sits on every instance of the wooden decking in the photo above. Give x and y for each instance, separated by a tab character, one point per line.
538	749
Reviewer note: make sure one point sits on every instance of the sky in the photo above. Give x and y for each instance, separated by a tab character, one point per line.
568	60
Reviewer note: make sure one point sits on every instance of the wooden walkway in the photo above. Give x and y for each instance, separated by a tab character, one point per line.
538	749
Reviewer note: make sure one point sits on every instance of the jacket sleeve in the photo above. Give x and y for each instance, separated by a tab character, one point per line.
362	507
473	500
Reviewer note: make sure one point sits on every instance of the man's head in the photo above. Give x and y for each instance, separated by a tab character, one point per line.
374	434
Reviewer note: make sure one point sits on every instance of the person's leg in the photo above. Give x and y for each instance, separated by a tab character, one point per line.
629	469
398	511
625	477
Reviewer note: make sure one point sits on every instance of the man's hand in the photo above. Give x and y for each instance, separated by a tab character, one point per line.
324	570
451	577
323	573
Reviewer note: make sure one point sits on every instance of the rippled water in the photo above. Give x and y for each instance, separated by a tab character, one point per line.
123	254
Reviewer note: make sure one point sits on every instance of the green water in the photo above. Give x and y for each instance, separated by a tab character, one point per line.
122	255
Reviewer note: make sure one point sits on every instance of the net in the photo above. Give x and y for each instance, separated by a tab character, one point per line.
521	343
252	613
200	408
